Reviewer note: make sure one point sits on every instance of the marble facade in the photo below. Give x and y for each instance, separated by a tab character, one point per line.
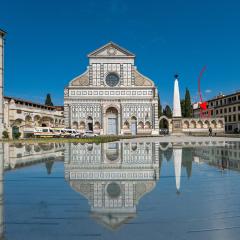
111	96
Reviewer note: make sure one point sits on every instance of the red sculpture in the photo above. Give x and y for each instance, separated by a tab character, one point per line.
203	105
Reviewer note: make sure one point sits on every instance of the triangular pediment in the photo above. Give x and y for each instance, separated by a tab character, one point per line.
113	221
111	50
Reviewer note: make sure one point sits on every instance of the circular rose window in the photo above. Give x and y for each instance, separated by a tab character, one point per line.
112	79
113	190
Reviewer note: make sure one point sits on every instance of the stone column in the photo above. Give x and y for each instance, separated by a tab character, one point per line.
2	34
155	118
104	123
67	116
119	123
101	119
120	120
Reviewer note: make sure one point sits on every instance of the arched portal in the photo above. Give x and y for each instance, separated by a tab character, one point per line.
163	125
82	125
193	124
112	152
126	125
97	125
90	123
37	120
15	131
112	121
75	125
47	121
28	121
134	125
220	124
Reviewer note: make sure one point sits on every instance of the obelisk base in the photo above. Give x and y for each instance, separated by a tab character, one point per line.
177	126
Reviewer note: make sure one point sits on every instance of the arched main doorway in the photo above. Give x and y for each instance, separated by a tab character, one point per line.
112	121
112	152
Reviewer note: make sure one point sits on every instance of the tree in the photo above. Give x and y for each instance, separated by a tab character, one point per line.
183	107
188	154
49	165
168	154
48	100
159	107
167	112
187	104
16	135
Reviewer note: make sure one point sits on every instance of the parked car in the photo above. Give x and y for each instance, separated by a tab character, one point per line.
60	131
72	133
89	134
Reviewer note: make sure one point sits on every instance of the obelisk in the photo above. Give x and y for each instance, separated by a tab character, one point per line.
177	113
2	34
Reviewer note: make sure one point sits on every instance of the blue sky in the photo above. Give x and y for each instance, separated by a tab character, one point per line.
48	40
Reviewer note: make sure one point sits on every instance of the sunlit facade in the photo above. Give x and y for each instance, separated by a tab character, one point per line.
112	96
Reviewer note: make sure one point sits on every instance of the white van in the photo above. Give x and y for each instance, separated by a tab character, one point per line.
45	132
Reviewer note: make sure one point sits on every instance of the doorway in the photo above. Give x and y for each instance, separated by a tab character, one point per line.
112	121
90	123
134	126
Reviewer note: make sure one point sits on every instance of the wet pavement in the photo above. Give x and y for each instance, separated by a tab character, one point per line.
123	190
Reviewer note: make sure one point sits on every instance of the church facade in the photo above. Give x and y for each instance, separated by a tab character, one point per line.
112	96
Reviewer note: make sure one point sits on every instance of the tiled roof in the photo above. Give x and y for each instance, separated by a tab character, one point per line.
33	103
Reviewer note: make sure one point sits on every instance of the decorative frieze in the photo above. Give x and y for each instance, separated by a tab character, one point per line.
112	92
113	175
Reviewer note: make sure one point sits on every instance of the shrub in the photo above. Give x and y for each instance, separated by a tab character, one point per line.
29	135
16	135
5	134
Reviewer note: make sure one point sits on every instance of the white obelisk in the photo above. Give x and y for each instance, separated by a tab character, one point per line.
177	113
177	161
176	99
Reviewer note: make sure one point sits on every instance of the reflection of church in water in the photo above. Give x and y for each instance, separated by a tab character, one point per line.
113	177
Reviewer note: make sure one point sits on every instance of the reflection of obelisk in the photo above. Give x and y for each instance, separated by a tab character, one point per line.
177	113
2	33
177	161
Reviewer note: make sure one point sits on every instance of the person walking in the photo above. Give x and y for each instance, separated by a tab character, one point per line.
210	132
